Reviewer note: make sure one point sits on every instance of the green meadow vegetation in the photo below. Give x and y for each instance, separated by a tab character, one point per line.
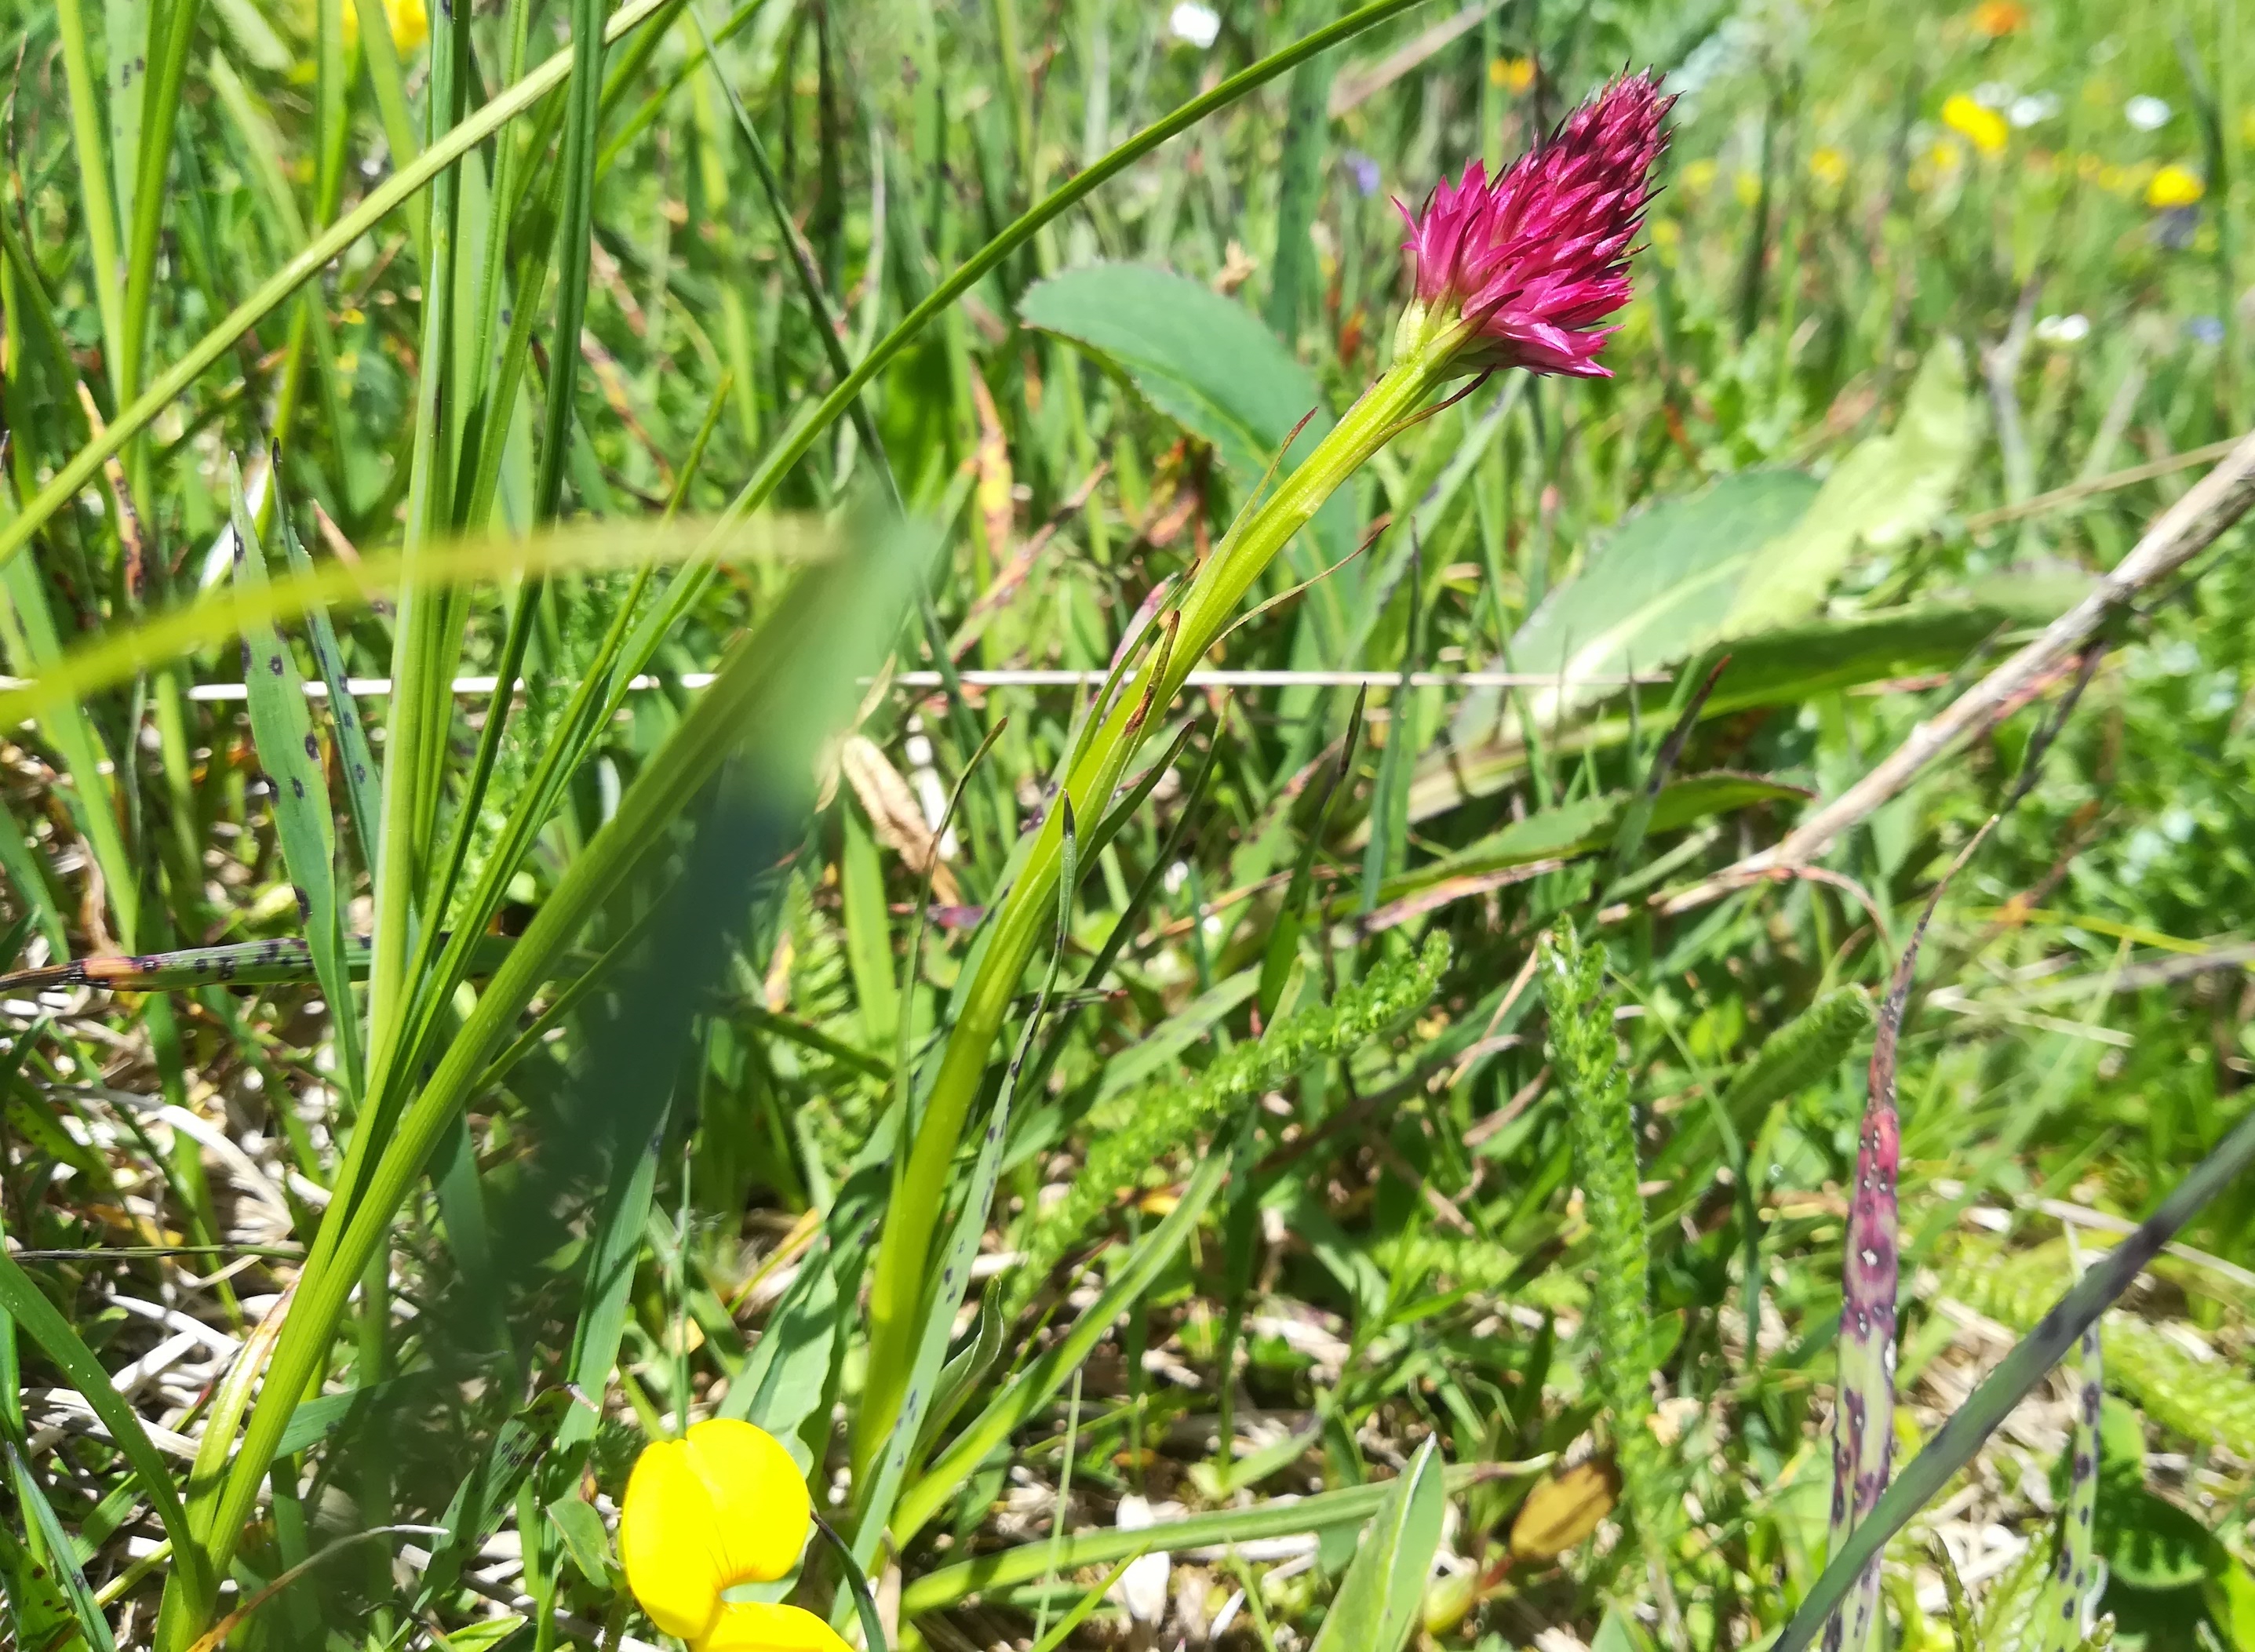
627	805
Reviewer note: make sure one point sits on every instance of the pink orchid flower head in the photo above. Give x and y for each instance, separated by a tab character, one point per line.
1519	272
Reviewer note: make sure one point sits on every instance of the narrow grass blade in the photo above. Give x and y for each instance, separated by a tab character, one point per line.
1291	915
364	788
62	1557
1078	1613
271	294
282	727
1325	1511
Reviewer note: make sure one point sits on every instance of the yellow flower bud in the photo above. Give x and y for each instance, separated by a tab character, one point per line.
723	1505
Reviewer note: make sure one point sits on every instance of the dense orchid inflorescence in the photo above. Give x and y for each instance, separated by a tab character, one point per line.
1525	267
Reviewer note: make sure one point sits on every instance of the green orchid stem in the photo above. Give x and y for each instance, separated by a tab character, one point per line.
904	1250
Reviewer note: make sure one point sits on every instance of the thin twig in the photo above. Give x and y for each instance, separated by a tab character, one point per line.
2183	532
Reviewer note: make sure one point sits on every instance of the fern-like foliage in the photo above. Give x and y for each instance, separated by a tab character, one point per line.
1586	1064
2202	1399
1801	1051
1165	1118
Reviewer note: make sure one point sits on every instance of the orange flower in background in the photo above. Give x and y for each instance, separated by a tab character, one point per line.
1997	18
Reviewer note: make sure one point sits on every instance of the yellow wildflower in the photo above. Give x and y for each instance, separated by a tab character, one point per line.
409	20
754	1626
1747	187
723	1505
1982	128
1828	167
2174	185
1514	75
1997	18
1699	175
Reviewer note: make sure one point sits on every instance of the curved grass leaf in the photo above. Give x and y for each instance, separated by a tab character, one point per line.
1325	1511
1376	1606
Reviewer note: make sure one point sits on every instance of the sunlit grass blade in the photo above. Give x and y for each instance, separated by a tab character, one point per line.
1325	1511
117	656
1041	1380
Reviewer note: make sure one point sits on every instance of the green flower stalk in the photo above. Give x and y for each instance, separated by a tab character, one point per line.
1516	273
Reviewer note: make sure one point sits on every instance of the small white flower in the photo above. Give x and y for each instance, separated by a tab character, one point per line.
1200	25
2035	107
2147	113
1994	94
2072	329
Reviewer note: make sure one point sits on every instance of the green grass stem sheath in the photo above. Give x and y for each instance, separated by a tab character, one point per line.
896	1301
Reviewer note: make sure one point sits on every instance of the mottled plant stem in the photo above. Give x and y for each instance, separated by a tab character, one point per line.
1863	1434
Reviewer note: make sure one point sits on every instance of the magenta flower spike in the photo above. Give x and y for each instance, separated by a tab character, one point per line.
1523	269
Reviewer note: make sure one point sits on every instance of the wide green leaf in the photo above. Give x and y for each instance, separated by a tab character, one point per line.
1209	364
1659	589
1783	666
1750	553
1888	490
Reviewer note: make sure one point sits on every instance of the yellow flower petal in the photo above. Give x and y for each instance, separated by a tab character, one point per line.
2175	186
753	1625
722	1506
